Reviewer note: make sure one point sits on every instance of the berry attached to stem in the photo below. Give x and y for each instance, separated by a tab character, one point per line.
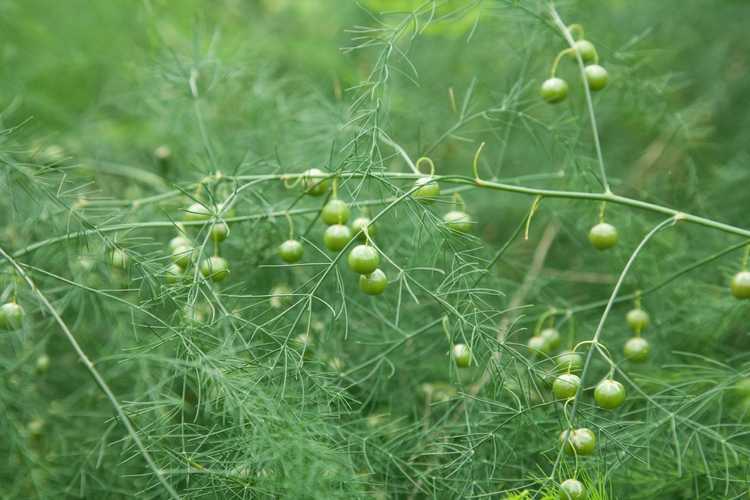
461	355
291	251
740	285
554	90
609	394
373	283
596	76
603	236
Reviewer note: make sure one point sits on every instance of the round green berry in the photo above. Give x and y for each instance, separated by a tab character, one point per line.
11	316
461	355
197	212
554	90
569	361
603	236
336	237
596	76
637	349
572	489
609	394
335	212
427	189
291	251
179	241
219	231
538	346
551	338
182	256
586	50
740	285
363	259
315	182
637	319
566	386
215	268
578	441
373	283
458	221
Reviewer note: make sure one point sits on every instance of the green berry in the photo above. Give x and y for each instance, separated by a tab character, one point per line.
427	189
554	90
11	316
538	346
197	212
179	241
461	355
578	442
586	50
335	212
42	363
603	236
363	259
566	386
609	394
373	283
596	76
637	320
182	256
336	237
458	221
215	268
572	489
291	251
740	285
219	231
551	338
569	361
315	182
637	349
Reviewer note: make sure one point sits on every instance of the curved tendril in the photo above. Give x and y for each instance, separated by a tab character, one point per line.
446	330
427	160
576	30
475	164
290	185
532	212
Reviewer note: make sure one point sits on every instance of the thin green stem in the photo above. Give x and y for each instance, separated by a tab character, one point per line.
610	303
589	101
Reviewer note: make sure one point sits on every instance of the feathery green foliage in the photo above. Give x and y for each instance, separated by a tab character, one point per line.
141	371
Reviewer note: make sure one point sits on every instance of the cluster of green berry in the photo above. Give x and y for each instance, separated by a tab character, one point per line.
363	259
214	268
555	89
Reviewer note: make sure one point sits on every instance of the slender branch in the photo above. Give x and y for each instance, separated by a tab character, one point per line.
594	342
589	101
